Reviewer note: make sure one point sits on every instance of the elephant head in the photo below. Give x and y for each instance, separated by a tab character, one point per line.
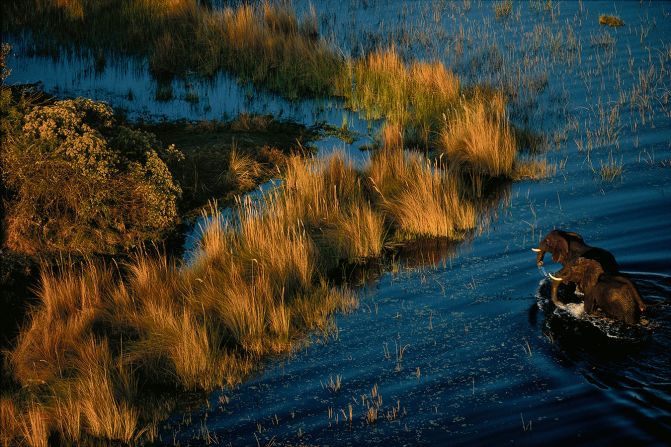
584	272
615	295
566	246
563	245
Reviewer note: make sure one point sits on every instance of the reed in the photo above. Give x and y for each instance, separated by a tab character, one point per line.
257	283
413	96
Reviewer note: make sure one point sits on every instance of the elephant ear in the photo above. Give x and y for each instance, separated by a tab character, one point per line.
590	270
560	251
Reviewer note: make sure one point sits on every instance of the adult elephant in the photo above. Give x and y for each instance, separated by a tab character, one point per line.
615	295
566	246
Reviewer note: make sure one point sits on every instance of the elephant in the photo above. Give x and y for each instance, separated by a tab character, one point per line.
566	246
615	295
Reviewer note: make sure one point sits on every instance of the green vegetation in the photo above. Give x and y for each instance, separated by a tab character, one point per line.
225	159
612	21
79	181
426	108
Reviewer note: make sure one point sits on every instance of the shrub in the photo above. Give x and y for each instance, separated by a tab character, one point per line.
78	181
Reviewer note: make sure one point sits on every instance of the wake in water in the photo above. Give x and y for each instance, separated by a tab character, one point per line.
571	318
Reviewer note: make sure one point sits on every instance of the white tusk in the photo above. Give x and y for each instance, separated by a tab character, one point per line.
536	250
555	278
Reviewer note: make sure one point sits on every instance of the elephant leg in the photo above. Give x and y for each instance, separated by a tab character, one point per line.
553	293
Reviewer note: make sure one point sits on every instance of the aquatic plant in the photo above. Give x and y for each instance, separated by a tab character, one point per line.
257	283
503	9
609	20
413	96
478	138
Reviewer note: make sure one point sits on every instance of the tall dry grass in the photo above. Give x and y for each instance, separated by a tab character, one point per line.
425	107
477	137
257	284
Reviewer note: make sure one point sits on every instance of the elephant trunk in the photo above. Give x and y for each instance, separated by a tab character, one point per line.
540	253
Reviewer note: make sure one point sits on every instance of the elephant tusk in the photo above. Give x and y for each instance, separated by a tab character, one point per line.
555	277
537	250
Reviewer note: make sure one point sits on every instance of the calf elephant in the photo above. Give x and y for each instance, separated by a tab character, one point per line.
615	295
566	246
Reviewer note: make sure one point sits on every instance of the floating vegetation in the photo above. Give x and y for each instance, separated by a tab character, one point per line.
612	21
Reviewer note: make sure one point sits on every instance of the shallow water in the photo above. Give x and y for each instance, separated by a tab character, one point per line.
484	359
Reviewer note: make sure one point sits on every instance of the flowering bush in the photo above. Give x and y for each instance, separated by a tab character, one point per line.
78	181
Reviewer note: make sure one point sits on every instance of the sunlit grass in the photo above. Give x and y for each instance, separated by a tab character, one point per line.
503	9
478	138
413	96
610	169
256	285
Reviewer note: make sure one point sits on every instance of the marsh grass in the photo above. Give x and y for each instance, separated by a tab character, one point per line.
425	107
610	169
413	96
264	44
503	9
256	286
478	138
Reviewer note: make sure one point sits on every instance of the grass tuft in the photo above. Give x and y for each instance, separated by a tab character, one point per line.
612	21
478	138
503	9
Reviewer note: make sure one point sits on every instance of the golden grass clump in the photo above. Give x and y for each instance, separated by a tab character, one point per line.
478	138
264	43
414	97
533	169
609	20
420	198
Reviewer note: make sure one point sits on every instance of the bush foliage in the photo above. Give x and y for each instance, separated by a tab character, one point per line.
78	181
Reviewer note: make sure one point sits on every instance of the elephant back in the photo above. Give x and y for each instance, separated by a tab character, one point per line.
603	257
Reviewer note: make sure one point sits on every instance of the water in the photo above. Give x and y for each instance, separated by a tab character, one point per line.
464	349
